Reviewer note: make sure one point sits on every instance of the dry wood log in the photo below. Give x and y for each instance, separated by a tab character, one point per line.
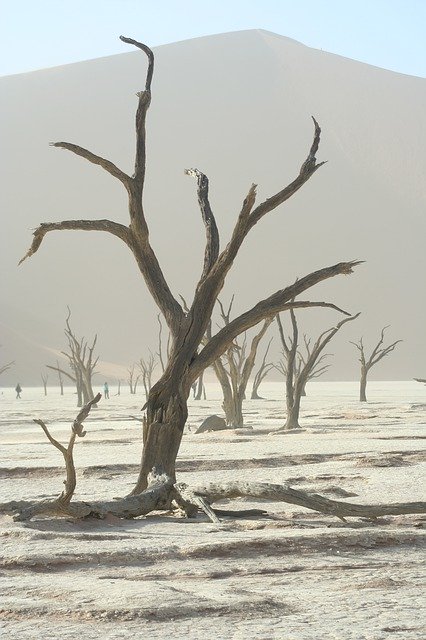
284	493
161	493
157	497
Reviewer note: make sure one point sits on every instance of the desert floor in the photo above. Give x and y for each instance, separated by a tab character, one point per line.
295	575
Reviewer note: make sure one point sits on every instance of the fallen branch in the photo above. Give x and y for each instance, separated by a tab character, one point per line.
161	493
284	493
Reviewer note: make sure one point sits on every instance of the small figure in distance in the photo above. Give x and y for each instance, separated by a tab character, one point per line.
106	391
18	390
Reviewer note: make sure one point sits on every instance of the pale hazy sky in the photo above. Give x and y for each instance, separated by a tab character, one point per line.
44	33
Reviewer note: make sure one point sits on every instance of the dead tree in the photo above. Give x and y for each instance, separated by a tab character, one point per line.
261	373
81	361
199	389
61	505
298	368
118	388
147	369
166	407
234	367
61	381
133	379
379	352
44	377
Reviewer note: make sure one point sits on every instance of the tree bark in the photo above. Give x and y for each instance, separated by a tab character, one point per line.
200	391
233	407
161	493
166	414
293	411
363	386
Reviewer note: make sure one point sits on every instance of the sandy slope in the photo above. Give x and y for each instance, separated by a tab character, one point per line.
238	106
295	575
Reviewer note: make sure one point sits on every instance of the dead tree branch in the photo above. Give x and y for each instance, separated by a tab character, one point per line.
61	504
161	493
212	233
279	301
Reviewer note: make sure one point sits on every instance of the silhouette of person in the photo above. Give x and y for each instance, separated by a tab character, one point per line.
106	391
18	390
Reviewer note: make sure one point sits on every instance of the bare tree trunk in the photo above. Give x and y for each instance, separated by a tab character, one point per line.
61	381
200	390
293	409
363	385
233	407
44	379
166	414
87	388
261	374
80	388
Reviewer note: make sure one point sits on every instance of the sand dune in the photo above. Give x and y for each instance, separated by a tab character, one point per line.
237	106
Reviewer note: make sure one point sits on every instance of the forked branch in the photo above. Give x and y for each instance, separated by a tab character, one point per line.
62	502
279	301
249	217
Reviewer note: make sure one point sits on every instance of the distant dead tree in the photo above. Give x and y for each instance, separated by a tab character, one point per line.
261	373
44	377
147	369
378	353
199	389
133	379
81	361
166	408
233	369
299	368
118	388
61	381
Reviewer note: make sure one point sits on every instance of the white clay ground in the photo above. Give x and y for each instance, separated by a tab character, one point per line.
297	575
